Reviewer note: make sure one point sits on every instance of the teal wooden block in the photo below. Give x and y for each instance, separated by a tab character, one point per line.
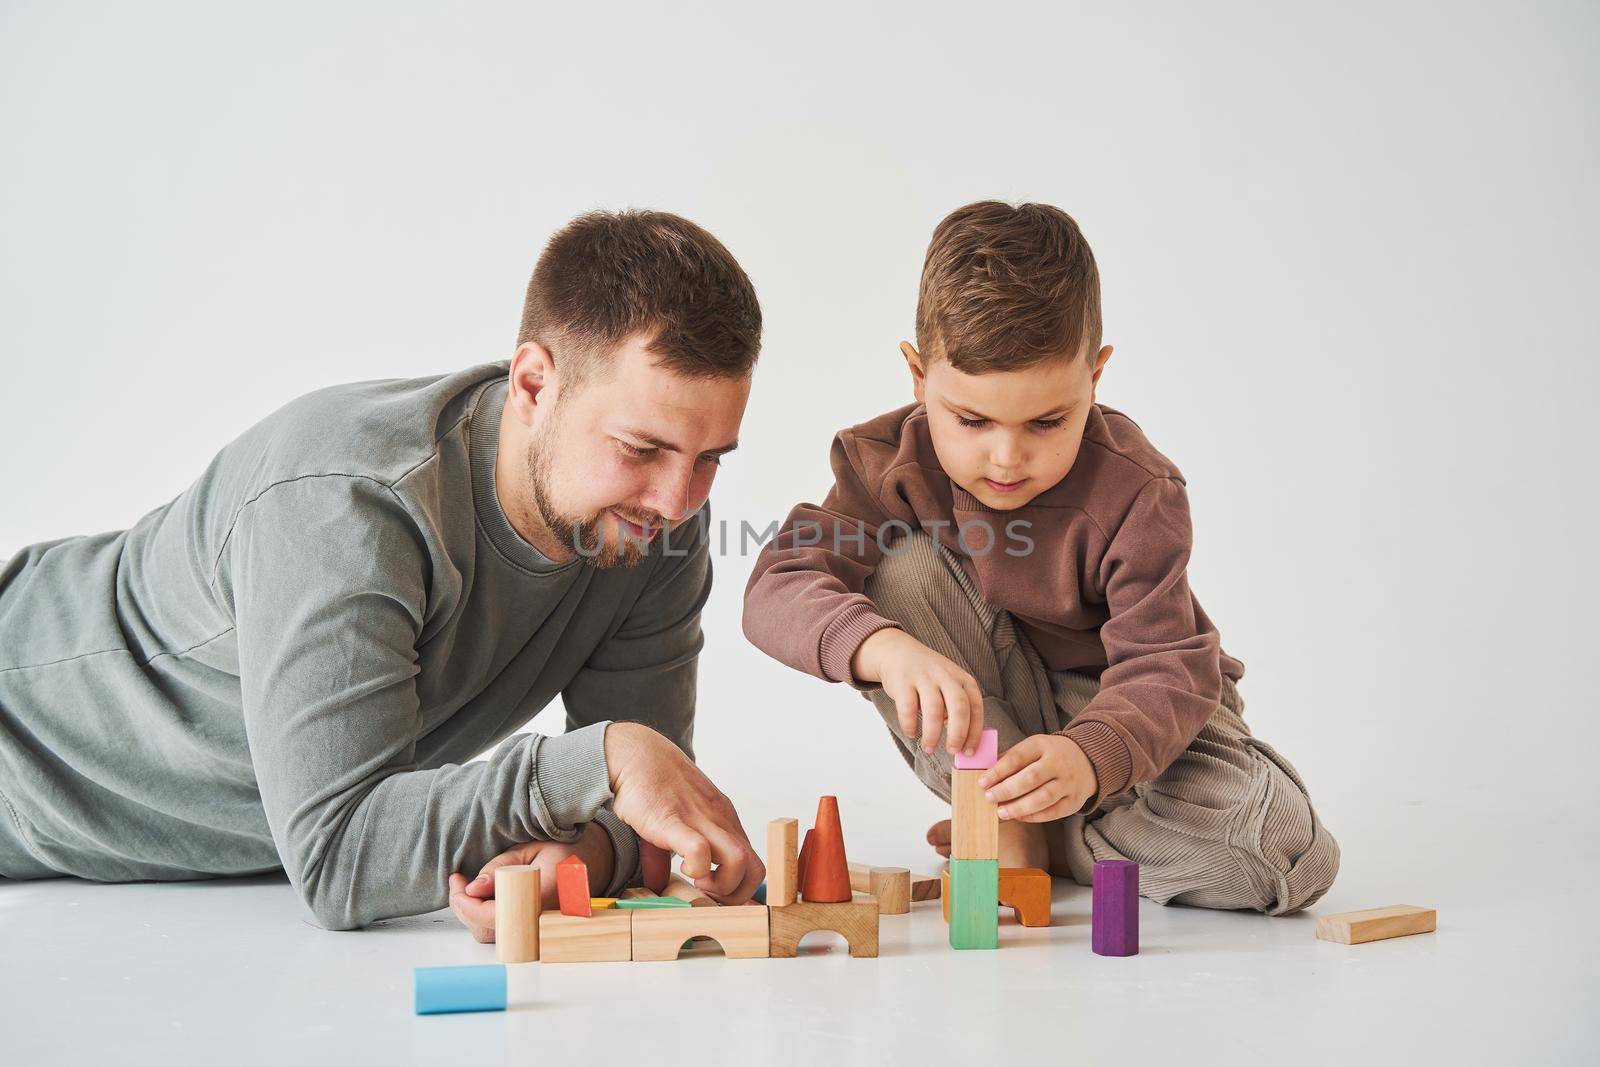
447	989
974	903
651	902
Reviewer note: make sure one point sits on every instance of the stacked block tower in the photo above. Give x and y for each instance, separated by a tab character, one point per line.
974	852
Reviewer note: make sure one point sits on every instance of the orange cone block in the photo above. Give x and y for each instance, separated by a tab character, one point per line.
572	887
800	864
827	873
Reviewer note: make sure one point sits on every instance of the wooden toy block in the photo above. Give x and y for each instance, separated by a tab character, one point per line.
655	864
446	989
1377	924
1026	891
572	887
680	887
759	896
1114	922
827	873
602	903
635	892
660	934
856	922
984	758
516	914
604	937
974	903
783	864
891	885
652	902
974	822
925	887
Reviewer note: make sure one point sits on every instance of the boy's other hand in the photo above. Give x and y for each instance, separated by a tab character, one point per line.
1040	778
473	902
924	686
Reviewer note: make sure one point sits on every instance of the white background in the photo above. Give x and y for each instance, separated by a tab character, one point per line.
1348	259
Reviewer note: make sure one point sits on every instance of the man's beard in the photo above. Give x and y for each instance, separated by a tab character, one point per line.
585	536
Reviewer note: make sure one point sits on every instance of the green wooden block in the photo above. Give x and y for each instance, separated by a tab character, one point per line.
974	903
651	902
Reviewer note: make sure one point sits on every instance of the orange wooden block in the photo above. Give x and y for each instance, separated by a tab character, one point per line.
572	887
827	873
1027	891
800	864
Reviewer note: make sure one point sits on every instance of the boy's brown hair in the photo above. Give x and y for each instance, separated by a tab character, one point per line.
607	276
1006	287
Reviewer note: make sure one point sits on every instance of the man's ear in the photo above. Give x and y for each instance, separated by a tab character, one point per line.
914	364
532	380
1099	366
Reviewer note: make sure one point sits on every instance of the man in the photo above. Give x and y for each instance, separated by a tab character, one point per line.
290	664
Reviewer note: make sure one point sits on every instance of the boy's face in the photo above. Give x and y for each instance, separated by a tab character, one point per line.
1007	436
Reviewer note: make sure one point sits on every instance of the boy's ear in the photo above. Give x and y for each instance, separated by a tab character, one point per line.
1099	366
914	363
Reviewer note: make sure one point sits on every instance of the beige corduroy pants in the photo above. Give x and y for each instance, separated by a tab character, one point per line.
1228	825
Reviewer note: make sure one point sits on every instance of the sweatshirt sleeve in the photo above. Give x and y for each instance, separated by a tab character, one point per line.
327	576
1163	676
804	604
647	668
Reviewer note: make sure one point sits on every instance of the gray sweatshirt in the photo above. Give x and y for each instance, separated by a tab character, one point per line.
292	662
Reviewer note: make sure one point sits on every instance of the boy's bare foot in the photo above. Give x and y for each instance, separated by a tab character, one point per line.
1023	844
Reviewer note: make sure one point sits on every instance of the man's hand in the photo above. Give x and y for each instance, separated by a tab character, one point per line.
670	803
925	685
1040	778
473	902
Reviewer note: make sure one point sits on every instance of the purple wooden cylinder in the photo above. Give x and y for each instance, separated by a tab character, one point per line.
1115	922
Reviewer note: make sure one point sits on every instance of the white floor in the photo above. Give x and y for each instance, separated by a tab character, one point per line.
230	971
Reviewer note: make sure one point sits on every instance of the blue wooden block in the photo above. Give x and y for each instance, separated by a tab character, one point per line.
760	895
446	989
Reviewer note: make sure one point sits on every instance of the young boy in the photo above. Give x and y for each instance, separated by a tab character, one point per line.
1007	553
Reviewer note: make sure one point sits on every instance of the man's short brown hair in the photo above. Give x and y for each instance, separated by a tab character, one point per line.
608	275
1005	287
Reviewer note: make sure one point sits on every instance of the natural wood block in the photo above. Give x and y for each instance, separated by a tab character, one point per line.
974	822
516	914
855	921
635	892
659	934
974	903
925	887
680	887
604	937
1376	924
1026	890
572	887
783	863
891	885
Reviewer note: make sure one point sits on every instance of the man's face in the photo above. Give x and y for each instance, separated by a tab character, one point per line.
632	451
1007	436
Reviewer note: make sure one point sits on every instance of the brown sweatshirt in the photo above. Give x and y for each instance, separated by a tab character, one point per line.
1094	570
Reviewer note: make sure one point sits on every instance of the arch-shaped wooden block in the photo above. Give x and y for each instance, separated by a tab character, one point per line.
855	921
659	934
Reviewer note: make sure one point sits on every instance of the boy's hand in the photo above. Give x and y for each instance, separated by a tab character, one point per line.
925	685
473	902
1040	778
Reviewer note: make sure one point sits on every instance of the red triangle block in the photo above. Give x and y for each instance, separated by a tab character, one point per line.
800	864
572	887
827	874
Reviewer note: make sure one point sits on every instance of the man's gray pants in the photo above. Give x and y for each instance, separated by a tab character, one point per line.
1228	825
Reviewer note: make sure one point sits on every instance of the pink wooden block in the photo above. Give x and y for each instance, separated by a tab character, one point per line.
983	759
